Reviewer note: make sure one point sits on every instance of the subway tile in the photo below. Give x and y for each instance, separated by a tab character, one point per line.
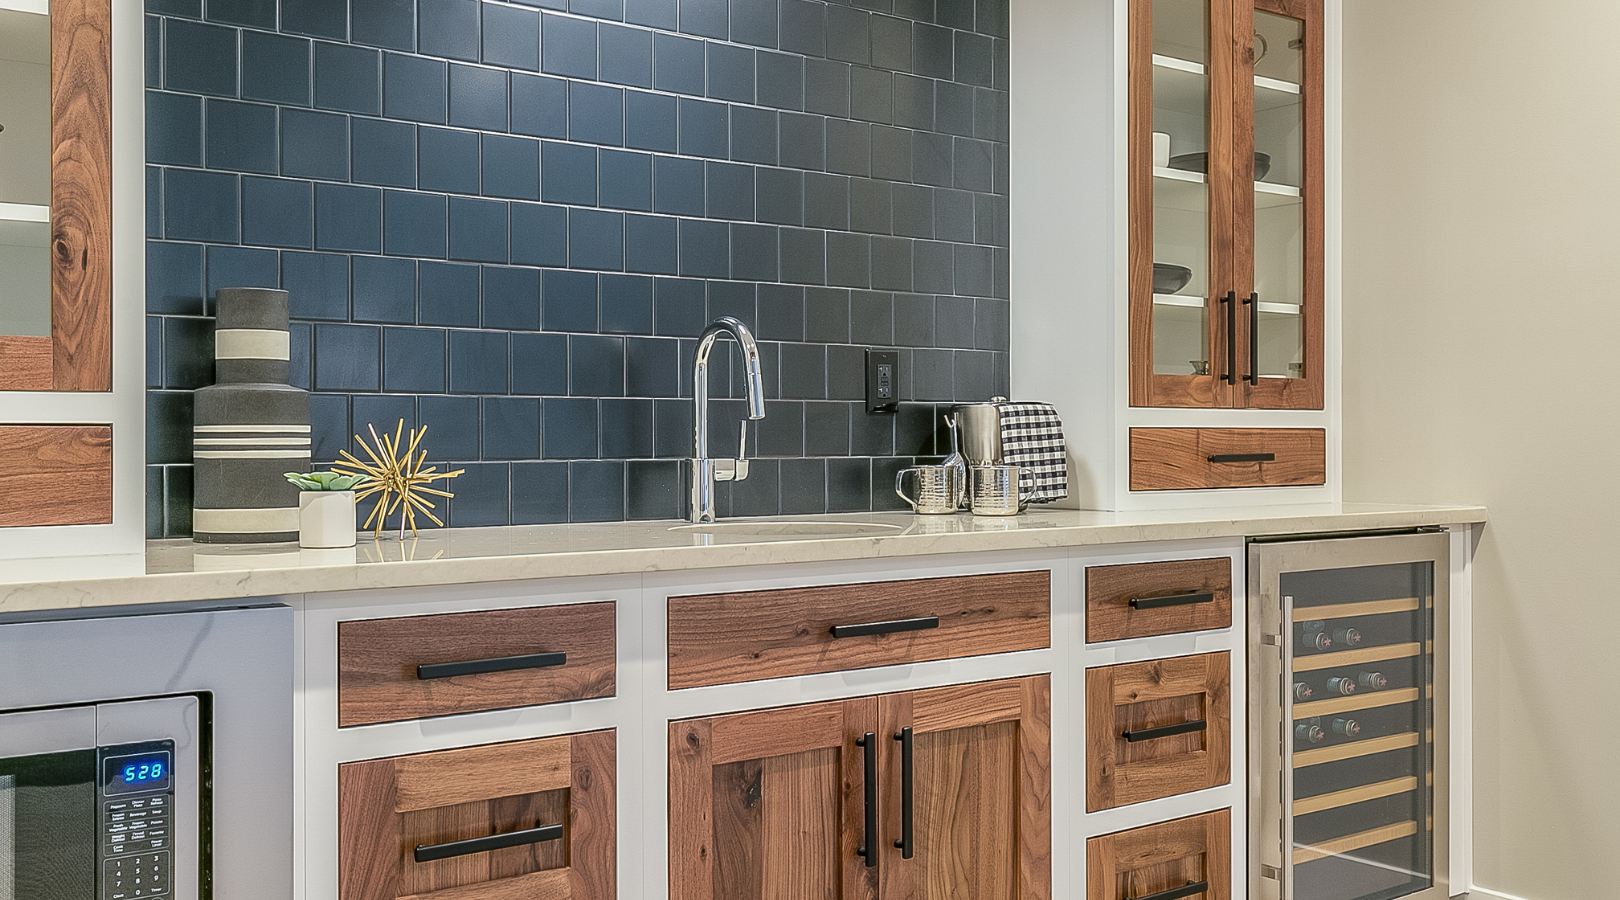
539	235
568	301
240	137
201	206
754	22
274	68
511	428
650	245
803	371
447	294
177	500
383	153
414	224
804	486
953	216
913	210
974	274
914	320
781	196
849	485
953	322
448	28
626	180
932	49
511	298
174	278
346	79
1002	53
730	191
651	367
595	365
678	186
539	106
568	173
198	58
653	490
849	147
992	17
914	429
595	114
973	165
803	256
478	97
598	9
703	130
188	362
870	206
974	376
348	218
780	80
650	122
452	426
569	428
803	141
447	160
168	426
672	428
1003	169
914	102
871	95
154	202
317	285
975	59
478	230
989	114
704	249
595	491
884	472
413	360
953	108
190	8
478	362
826	87
482	496
678	307
753	135
390	413
932	374
317	18
781	432
932	267
704	17
347	357
314	145
734	299
625	55
891	154
627	304
384	23
891	43
731	72
677	64
931	159
413	88
954	14
758	495
804	27
781	312
626	429
154	351
568	47
653	13
595	239
849	34
173	129
511	37
238	267
753	252
990	324
300	352
253	13
539	493
849	259
891	264
276	213
826	201
826	429
154	501
539	364
871	320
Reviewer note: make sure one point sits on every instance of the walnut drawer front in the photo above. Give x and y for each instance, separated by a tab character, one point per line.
1170	858
1179	459
1145	599
497	822
729	638
1157	728
390	670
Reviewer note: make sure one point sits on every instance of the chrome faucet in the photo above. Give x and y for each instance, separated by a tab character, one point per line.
705	471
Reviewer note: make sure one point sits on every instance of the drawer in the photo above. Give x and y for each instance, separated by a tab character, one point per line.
390	670
1144	599
1157	728
1167	859
728	638
1179	459
496	822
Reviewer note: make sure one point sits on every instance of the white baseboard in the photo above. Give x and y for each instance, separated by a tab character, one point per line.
1479	893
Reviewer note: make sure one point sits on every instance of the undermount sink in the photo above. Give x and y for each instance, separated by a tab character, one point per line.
791	529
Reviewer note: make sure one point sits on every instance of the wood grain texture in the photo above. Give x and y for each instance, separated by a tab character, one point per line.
730	638
691	810
449	777
25	363
1150	694
377	660
1139	180
593	812
81	194
1358	794
368	831
1110	590
55	475
1305	853
1177	459
800	825
549	885
1160	857
478	819
776	732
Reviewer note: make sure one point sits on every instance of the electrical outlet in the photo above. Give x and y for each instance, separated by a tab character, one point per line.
882	381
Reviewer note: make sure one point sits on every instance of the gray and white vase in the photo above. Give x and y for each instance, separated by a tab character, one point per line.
251	426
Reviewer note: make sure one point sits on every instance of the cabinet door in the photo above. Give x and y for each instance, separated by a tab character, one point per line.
772	805
1187	859
532	819
1279	269
971	815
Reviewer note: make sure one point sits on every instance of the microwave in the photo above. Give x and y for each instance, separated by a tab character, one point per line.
147	756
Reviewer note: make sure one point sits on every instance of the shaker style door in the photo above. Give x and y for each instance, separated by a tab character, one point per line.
1157	728
1186	859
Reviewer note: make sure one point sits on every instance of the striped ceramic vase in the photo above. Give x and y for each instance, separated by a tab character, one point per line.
251	426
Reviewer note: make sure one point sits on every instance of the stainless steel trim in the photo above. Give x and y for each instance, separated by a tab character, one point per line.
46	731
8	837
1285	743
169	718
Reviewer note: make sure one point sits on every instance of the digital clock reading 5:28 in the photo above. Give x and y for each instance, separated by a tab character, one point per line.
145	772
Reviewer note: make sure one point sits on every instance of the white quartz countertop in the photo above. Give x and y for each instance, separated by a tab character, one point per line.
179	570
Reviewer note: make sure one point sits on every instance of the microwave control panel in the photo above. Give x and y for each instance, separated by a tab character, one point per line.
137	820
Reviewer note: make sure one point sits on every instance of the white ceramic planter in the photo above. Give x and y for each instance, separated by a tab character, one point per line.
325	519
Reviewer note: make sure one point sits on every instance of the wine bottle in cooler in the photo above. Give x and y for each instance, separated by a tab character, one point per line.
1309	731
1345	638
1349	728
1371	681
1302	692
1340	685
1314	636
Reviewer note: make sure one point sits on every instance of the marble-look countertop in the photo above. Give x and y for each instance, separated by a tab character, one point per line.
179	570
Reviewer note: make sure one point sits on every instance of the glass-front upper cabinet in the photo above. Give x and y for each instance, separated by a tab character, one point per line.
1226	255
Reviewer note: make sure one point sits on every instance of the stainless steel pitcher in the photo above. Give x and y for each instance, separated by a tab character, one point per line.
978	428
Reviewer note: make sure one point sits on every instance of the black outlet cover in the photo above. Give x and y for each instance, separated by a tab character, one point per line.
882	381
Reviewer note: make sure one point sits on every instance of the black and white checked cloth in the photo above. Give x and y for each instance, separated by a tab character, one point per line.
1032	437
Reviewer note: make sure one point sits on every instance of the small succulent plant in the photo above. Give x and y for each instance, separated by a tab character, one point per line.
325	481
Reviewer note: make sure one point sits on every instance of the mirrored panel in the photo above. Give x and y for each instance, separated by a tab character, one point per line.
25	168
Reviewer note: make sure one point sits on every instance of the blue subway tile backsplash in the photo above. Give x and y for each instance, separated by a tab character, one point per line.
509	221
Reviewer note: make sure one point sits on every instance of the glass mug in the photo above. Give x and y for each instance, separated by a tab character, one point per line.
939	489
995	492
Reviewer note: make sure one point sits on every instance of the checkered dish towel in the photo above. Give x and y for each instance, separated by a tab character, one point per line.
1032	437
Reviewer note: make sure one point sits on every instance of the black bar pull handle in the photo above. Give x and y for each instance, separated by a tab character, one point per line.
497	664
1191	889
1171	600
1254	339
431	852
908	784
1163	731
868	743
1230	302
1243	457
867	629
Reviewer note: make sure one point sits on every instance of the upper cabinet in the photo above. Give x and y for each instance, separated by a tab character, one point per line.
1226	176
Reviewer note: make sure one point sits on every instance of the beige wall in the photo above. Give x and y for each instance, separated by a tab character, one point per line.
1482	309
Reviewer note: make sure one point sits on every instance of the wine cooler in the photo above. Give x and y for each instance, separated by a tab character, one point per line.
1348	748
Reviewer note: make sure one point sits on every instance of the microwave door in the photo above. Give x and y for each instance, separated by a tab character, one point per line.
48	805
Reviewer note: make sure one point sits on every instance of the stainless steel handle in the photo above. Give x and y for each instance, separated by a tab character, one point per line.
1285	738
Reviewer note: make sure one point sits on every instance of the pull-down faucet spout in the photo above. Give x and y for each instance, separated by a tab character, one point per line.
705	471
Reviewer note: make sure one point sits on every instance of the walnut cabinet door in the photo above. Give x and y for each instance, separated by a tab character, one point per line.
932	795
527	819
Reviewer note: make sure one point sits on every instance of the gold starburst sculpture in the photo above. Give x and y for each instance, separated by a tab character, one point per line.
396	475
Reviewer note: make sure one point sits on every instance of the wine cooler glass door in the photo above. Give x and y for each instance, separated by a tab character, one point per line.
1348	662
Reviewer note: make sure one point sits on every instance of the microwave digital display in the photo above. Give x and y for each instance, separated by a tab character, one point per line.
140	772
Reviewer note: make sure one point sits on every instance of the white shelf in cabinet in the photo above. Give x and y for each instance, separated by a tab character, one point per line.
24	212
1180	189
1180	65
1270	93
1181	85
1268	195
1192	301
